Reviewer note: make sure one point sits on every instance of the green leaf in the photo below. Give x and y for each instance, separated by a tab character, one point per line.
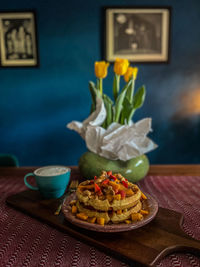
122	118
127	85
130	90
127	111
127	107
113	112
94	93
119	105
139	97
116	83
93	90
108	105
130	108
123	114
130	115
92	109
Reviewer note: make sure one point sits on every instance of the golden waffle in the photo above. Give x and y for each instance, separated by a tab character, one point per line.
105	205
108	199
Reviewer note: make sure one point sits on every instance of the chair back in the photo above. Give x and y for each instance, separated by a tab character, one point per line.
8	160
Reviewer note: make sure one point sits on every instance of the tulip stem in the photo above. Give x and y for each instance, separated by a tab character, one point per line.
101	86
97	84
132	90
116	86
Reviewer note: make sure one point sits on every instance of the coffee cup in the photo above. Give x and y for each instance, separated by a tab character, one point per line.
51	181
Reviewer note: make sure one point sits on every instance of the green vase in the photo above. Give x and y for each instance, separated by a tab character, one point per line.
91	164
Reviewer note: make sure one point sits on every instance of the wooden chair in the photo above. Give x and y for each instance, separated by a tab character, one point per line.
8	160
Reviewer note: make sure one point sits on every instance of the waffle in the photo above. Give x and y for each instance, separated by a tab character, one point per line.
109	216
109	198
105	205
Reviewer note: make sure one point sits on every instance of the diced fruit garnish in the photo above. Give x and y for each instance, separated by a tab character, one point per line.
122	187
125	184
109	173
127	221
99	193
114	186
97	188
73	202
102	177
92	219
113	177
143	196
105	182
119	212
129	192
116	190
122	193
144	212
82	216
117	197
103	173
101	221
136	217
74	209
95	177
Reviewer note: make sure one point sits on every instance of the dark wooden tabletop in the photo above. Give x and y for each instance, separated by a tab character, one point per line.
186	169
148	244
189	169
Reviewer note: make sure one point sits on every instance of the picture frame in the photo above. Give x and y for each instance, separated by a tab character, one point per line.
139	34
18	39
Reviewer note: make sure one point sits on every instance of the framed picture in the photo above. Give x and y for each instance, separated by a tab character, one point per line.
18	39
137	34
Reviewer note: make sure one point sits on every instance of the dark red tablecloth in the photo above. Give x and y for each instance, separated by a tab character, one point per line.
24	241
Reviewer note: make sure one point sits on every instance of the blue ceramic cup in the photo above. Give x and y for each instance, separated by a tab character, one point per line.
51	181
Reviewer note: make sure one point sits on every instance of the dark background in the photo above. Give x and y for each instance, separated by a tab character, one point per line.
37	103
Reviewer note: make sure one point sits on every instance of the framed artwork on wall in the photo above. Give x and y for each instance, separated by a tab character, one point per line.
139	34
18	39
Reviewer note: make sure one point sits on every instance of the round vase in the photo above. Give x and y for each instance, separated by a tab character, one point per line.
91	164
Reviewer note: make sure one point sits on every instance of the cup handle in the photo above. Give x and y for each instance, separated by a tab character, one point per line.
27	184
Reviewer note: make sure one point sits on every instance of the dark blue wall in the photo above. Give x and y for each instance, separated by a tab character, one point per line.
37	103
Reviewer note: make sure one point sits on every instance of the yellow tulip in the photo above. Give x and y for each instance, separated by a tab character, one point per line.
121	66
131	72
101	69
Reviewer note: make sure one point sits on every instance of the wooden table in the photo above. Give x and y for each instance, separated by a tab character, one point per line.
25	241
175	170
154	170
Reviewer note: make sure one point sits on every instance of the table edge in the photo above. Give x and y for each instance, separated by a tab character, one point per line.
155	169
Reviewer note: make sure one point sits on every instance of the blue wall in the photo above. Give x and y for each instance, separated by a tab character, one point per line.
37	103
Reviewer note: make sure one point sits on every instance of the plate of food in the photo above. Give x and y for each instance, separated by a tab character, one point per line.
109	203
